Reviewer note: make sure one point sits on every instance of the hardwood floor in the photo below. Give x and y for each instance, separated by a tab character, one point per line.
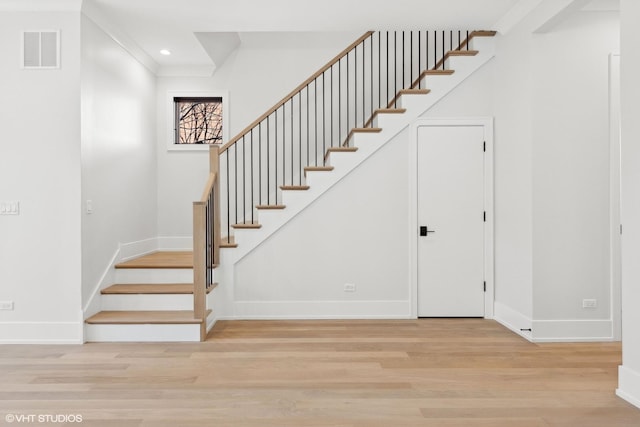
430	372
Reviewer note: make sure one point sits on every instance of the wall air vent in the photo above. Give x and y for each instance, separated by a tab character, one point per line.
41	49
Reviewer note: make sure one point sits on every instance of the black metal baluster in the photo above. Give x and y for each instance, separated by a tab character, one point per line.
252	181
292	150
347	106
426	49
355	87
324	118
363	82
419	59
268	164
315	115
339	101
379	70
443	48
307	164
459	40
371	75
300	137
244	196
331	109
387	85
228	202
403	59
260	163
275	164
395	68
235	181
284	140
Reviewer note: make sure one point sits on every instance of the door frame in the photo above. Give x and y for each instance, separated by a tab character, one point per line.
487	124
615	257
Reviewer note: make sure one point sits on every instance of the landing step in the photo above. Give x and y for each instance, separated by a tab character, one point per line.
168	259
181	317
151	289
247	225
270	206
294	187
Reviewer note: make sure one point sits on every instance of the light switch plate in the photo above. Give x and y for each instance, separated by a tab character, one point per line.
6	305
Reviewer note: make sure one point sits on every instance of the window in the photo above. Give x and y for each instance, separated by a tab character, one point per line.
197	120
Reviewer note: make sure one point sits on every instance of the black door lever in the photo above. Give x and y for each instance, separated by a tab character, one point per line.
424	230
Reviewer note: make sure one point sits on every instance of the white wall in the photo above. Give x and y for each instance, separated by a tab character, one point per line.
40	258
629	373
118	154
257	75
571	175
354	233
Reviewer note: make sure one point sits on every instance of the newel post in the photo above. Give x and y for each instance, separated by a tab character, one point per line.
199	262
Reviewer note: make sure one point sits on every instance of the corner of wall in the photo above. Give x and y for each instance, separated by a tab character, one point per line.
628	385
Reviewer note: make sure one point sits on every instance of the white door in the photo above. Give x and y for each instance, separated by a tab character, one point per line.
451	221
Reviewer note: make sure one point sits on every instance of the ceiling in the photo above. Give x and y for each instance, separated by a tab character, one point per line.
202	33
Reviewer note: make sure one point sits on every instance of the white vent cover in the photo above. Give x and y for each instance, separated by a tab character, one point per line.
41	49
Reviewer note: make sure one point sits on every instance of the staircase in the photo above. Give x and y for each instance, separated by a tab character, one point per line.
152	300
271	171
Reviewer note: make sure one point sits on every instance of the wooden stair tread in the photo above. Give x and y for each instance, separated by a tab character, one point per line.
414	91
151	289
390	111
482	33
228	242
176	317
294	187
267	207
437	72
317	169
339	149
164	259
247	225
462	53
366	130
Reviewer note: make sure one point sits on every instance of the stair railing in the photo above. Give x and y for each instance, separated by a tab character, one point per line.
275	151
206	239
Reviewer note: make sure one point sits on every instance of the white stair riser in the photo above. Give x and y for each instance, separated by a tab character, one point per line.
385	120
147	302
317	178
142	333
482	44
153	275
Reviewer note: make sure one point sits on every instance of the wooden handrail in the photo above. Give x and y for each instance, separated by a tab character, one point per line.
304	84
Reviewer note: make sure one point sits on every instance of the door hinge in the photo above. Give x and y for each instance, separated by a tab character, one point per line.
484	286
484	216
484	146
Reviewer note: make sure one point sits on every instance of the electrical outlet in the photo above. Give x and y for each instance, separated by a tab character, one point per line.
89	207
349	287
10	208
6	305
589	303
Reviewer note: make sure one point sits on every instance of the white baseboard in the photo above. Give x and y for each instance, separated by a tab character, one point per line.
107	279
162	243
572	330
143	333
513	320
41	332
135	249
323	309
629	385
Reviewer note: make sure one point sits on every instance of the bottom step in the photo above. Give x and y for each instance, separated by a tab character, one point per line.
143	326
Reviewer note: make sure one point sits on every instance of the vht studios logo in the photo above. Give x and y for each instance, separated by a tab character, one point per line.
43	418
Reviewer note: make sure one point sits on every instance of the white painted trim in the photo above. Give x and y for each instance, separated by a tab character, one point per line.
186	71
322	309
615	258
224	94
94	13
40	5
41	332
143	333
107	279
629	385
571	330
513	320
138	248
487	124
181	243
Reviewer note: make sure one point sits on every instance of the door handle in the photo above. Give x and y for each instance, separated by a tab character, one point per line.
424	230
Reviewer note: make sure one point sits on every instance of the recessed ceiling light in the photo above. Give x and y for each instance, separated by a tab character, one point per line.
165	52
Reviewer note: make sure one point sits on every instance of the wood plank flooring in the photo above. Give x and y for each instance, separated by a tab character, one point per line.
429	372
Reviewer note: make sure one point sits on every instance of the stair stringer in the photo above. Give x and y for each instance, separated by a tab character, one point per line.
344	164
